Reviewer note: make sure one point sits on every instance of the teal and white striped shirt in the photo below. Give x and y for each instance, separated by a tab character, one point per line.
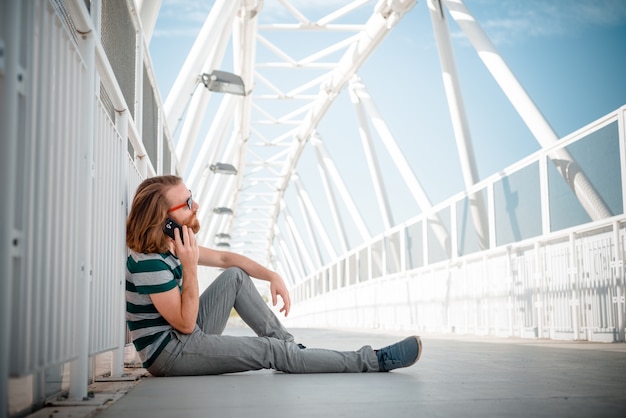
147	274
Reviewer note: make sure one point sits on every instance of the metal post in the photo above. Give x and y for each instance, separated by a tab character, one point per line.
573	274
511	298
619	270
117	360
538	276
9	242
459	120
79	370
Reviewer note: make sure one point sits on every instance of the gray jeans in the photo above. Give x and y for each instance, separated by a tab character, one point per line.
205	351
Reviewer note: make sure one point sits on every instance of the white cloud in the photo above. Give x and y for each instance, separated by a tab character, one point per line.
182	18
511	21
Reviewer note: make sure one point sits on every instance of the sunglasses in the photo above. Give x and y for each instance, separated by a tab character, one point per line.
188	203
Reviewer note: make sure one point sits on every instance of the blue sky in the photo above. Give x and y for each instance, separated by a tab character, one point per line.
569	55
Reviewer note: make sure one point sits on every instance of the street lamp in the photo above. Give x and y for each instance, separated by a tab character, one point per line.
223	168
223	82
223	211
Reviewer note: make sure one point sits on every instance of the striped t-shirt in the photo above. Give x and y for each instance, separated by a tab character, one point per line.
147	274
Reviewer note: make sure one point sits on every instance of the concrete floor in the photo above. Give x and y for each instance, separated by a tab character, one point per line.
455	377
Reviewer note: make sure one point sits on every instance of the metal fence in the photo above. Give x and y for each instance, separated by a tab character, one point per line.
550	271
72	156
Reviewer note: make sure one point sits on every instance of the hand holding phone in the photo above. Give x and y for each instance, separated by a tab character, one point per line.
169	226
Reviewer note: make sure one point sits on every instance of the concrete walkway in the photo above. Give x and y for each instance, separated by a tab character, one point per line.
456	377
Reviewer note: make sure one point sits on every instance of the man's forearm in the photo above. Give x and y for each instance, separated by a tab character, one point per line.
250	266
226	259
189	299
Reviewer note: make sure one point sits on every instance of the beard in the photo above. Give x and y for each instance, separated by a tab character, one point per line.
193	223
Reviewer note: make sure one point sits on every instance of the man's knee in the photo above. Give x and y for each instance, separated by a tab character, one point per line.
236	273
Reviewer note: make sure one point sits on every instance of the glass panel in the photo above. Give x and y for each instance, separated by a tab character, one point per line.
392	253
341	273
377	259
352	268
598	156
439	237
317	285
414	248
364	271
467	235
517	200
326	280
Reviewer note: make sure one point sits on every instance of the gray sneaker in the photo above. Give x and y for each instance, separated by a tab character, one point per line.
401	354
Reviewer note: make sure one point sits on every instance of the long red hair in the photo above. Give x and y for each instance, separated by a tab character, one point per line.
148	212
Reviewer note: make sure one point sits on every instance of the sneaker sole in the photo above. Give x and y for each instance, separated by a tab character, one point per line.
419	348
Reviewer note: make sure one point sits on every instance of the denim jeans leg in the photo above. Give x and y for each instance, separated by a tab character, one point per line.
202	354
234	289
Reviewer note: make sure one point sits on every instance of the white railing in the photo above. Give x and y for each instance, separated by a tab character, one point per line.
557	275
532	291
72	157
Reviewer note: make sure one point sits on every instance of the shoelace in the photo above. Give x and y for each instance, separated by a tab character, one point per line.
384	356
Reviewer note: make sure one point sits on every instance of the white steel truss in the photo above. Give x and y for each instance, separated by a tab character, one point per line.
264	133
266	151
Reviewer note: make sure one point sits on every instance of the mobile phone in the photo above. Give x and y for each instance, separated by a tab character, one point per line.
169	226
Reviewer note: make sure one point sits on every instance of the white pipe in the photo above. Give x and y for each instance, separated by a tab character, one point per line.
370	156
308	203
618	268
216	25
117	360
293	266
79	370
331	200
148	14
306	216
220	201
329	165
10	242
459	120
295	250
585	192
209	199
213	141
244	40
402	164
375	30
217	184
572	285
303	251
191	125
